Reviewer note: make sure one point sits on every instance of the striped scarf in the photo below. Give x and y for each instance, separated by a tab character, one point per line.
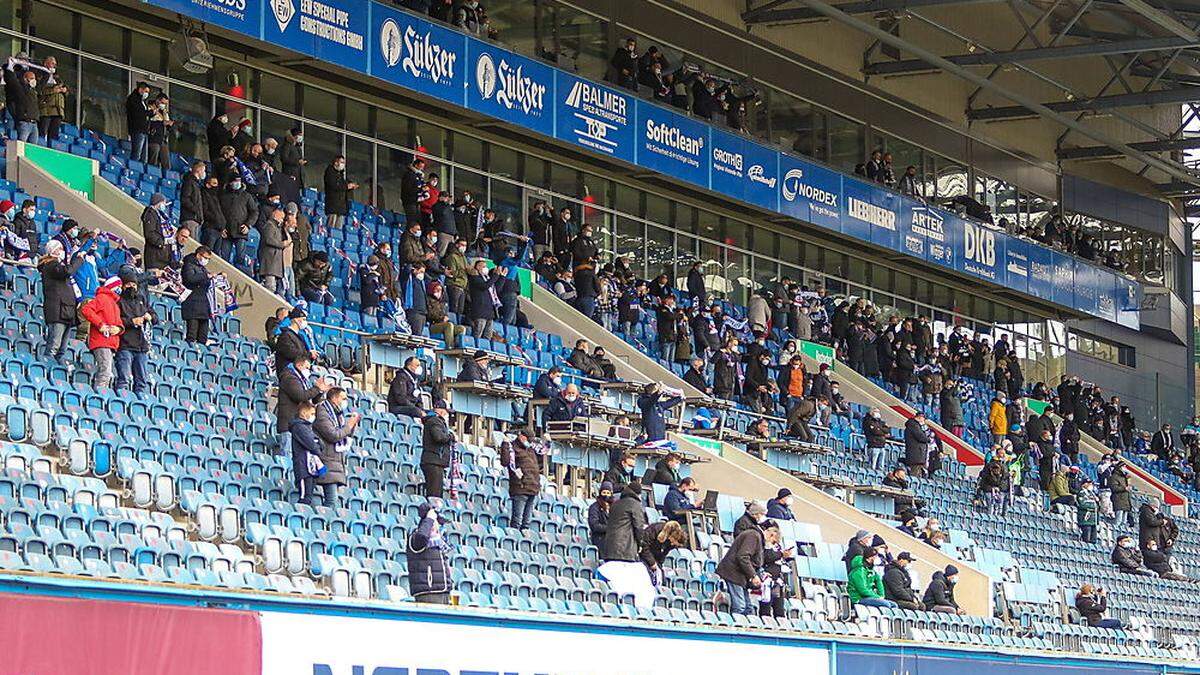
338	418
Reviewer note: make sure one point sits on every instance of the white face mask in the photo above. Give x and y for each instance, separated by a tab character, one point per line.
310	418
203	261
223	119
299	140
145	95
30	213
342	404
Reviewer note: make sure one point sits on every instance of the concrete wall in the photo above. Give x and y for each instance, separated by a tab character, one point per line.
118	213
734	472
547	312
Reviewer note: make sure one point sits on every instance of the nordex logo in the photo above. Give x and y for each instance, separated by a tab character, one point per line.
794	186
510	86
284	12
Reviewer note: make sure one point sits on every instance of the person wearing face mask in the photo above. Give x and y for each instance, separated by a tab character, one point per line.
404	392
334	429
337	192
457	271
52	101
439	321
524	464
213	222
136	317
484	299
104	330
566	406
598	515
191	194
707	97
158	132
624	63
939	594
241	214
157	232
561	231
1128	558
753	517
413	190
654	404
780	508
195	308
271	245
58	298
291	156
297	385
414	299
437	448
549	384
305	452
24	225
218	136
740	566
137	121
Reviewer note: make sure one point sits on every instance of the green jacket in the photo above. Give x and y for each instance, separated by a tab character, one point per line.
456	267
1059	486
1087	505
863	581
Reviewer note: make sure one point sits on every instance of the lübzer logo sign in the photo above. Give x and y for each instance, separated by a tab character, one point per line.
418	55
510	86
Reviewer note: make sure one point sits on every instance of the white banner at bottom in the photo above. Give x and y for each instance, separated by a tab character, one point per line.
307	644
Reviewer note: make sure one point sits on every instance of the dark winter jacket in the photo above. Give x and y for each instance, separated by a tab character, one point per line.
626	520
743	559
517	456
58	298
437	442
329	434
939	592
897	584
195	278
428	567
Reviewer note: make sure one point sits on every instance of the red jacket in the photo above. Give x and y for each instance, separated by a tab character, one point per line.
427	204
102	310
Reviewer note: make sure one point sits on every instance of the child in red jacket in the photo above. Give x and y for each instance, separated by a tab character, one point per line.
104	317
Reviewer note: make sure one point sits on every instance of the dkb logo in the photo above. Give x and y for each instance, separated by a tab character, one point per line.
979	245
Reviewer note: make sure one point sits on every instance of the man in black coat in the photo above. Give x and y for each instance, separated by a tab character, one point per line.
624	64
241	214
136	317
598	514
939	594
337	192
156	232
413	190
296	385
22	101
429	577
291	157
404	392
877	433
437	449
858	544
695	286
214	224
741	563
626	520
484	301
191	194
137	120
218	135
897	583
196	309
1163	443
916	445
25	227
1128	558
695	376
58	298
289	345
1151	520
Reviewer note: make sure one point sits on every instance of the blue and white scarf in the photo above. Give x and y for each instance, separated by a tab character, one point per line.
343	446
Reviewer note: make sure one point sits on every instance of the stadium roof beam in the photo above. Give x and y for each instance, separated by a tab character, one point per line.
769	13
1039	54
1172	169
1104	152
1141	98
1164	20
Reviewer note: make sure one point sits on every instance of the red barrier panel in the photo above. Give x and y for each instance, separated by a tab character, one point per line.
42	635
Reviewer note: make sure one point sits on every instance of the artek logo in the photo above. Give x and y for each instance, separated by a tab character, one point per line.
928	223
390	44
284	12
509	85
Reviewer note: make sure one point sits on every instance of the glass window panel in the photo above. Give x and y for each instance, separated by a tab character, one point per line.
321	106
233	81
467	151
506	202
658	209
389	170
321	145
630	242
537	171
191	109
358	117
429	136
660	252
147	53
466	180
737	271
102	39
582	42
564	180
766	270
514	24
392	127
103	109
278	93
503	161
275	126
847	139
46	21
712	259
360	167
951	179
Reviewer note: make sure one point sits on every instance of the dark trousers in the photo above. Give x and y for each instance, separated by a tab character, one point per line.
435	476
1087	533
48	126
197	331
416	321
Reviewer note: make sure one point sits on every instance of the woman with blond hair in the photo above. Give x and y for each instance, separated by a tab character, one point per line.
658	541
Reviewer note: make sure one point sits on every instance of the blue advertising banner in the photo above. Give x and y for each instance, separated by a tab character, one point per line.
871	213
1016	264
594	116
1087	287
1064	279
900	660
240	15
1129	302
422	56
510	87
331	30
674	144
923	233
983	252
1041	272
744	170
419	55
810	192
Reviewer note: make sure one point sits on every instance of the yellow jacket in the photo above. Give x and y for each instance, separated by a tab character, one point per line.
998	419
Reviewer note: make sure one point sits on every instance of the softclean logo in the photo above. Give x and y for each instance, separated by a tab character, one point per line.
284	11
390	43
